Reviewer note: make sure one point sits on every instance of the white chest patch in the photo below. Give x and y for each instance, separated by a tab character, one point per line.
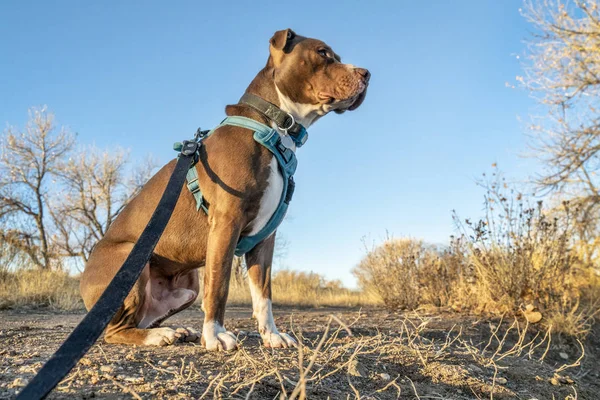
270	198
305	114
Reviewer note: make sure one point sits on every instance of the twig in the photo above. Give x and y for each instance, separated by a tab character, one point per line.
125	389
339	321
301	387
356	393
250	391
414	388
576	363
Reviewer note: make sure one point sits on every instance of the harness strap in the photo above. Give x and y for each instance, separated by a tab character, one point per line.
194	187
243	122
192	175
286	161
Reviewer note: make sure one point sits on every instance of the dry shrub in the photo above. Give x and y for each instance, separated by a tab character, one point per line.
575	315
39	288
441	272
523	256
406	273
518	259
524	260
391	271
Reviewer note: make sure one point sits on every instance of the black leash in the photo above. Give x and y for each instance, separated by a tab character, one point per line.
91	327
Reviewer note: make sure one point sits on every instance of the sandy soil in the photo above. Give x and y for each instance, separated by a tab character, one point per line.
376	355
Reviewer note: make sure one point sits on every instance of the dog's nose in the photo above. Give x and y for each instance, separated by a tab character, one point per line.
364	73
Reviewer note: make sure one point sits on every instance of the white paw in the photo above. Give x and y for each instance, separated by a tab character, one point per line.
223	341
188	334
279	340
161	337
215	338
228	341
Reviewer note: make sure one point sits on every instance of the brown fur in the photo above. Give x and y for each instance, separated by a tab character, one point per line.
233	172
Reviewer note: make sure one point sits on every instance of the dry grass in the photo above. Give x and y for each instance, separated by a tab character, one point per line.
39	288
304	289
59	290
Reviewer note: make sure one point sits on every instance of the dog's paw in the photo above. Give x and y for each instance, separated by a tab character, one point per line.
228	341
161	337
215	337
223	341
278	340
188	335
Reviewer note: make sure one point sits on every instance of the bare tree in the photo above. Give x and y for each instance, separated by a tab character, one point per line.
29	160
563	73
97	185
53	206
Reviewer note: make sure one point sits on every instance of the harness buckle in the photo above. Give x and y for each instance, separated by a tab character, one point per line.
189	148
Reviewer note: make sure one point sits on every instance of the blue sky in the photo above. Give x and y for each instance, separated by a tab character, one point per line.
142	75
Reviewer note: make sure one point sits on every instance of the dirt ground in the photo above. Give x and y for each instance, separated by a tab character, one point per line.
369	354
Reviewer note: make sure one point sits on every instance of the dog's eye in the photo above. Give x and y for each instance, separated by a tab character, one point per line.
323	53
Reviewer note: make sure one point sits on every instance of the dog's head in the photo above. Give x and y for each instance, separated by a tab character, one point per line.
310	78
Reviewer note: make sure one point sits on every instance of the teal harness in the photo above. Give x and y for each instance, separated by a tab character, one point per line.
269	138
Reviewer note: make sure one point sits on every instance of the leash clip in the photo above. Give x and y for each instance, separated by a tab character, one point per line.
200	134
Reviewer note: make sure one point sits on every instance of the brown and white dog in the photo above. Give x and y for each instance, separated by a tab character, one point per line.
241	181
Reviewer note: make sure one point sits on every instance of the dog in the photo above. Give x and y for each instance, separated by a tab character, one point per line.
241	182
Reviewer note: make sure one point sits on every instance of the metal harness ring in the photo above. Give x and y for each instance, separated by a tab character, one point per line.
293	122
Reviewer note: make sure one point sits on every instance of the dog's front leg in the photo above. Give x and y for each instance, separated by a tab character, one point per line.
222	239
259	262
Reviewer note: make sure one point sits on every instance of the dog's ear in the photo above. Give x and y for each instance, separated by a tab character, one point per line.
281	38
279	44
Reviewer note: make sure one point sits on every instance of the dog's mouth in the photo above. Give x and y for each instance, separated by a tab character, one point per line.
346	104
359	99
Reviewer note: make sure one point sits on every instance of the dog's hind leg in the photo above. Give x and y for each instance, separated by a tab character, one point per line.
144	337
259	261
128	327
124	328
